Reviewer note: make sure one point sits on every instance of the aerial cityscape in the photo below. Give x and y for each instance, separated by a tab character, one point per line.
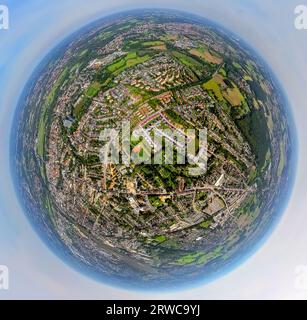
170	76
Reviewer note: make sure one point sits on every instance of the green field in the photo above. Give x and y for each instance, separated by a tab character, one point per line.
223	72
186	60
210	256
160	239
130	60
93	90
236	65
212	85
81	107
50	99
206	224
253	175
117	65
199	257
282	159
83	53
153	43
190	258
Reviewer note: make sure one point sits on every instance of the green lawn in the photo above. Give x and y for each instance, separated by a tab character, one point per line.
206	224
160	239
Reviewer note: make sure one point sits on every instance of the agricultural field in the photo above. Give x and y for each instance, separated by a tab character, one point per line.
206	55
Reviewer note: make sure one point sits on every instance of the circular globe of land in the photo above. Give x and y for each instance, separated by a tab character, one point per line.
153	149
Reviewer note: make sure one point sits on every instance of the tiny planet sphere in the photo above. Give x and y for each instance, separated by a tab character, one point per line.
153	150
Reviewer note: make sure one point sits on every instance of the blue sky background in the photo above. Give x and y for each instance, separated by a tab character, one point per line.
36	26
